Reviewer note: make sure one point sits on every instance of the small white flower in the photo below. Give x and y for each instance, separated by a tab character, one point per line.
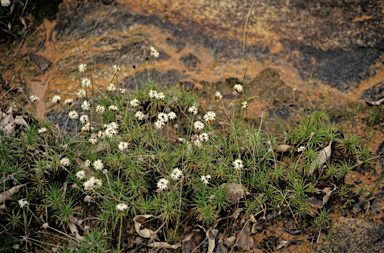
139	115
100	134
22	203
238	88
100	109
42	130
84	119
98	164
159	124
113	125
81	93
33	98
152	93
86	106
92	183
5	3
80	174
176	174
116	69
301	149
172	115
192	109
86	128
160	96
110	132
238	164
134	103
65	162
163	117
56	99
203	137
198	125
85	82
87	163
244	105
122	91
93	141
112	108
218	96
68	102
121	207
45	225
123	145
111	87
162	184
205	179
210	116
82	68
73	115
154	52
197	142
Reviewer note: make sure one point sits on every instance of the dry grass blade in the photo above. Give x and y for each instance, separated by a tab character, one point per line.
323	156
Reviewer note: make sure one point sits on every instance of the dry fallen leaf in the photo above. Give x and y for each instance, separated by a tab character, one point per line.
244	241
283	148
7	195
323	156
233	192
74	231
378	102
211	235
284	244
146	233
164	245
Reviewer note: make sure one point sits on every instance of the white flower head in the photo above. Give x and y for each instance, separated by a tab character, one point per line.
198	125
210	116
159	124
238	164
56	99
218	96
92	183
238	88
139	115
5	3
121	207
82	68
33	98
160	96
203	137
86	106
134	103
80	174
205	179
116	69
301	149
152	94
176	174
86	128
85	82
112	108
110	132
22	202
163	117
87	163
122	91
172	115
113	125
111	87
84	119
244	105
193	109
65	162
42	130
123	145
98	164
73	115
93	141
68	102
100	109
162	184
100	134
154	52
81	93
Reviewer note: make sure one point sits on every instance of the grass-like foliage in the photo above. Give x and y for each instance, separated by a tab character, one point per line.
160	152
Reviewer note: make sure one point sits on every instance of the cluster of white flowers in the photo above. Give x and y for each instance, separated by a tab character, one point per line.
65	162
68	102
116	69
162	184
92	183
198	125
134	103
85	82
98	164
100	109
93	140
203	137
139	115
86	106
42	130
33	98
82	68
172	115
197	140
210	116
84	119
5	3
193	110
56	99
111	129
205	179
100	134
123	145
154	52
163	117
155	94
81	93
111	87
80	174
238	164
122	91
73	115
86	128
121	207
218	96
112	108
176	174
238	88
159	124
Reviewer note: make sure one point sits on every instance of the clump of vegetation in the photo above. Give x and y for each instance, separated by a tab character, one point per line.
159	160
